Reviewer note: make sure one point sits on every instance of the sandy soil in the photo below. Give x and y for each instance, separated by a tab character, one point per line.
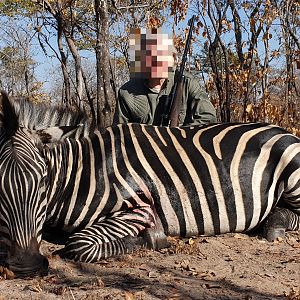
231	266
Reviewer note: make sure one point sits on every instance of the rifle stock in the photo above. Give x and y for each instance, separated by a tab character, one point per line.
174	114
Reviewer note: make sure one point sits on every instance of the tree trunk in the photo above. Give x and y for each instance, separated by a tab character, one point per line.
106	99
63	61
78	69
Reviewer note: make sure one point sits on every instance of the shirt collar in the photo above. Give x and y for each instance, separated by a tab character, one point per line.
170	82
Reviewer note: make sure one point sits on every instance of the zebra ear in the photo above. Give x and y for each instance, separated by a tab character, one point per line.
56	134
8	120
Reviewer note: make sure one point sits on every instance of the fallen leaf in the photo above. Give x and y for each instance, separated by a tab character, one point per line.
152	274
191	241
211	286
60	291
293	294
269	275
240	236
184	264
228	259
99	282
207	275
6	273
179	296
287	261
129	296
194	273
34	288
143	267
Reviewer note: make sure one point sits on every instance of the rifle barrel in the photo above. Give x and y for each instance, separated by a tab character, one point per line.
173	106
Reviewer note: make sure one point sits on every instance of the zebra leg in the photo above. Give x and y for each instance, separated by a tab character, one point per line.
110	236
280	220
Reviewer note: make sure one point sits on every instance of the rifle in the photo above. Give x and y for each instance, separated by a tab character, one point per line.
170	116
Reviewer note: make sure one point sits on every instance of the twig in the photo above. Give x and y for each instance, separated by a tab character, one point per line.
71	293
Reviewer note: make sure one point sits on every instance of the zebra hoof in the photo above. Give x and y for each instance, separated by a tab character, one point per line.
272	234
277	223
133	243
155	239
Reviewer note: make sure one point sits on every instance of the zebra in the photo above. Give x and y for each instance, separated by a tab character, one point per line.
132	185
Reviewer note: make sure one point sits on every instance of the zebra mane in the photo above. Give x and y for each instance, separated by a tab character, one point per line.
41	116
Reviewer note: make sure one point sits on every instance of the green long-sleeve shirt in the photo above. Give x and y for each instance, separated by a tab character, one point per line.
137	103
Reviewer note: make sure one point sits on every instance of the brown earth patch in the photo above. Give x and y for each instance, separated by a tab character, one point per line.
230	266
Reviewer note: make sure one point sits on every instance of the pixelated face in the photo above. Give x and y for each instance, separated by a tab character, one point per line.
151	53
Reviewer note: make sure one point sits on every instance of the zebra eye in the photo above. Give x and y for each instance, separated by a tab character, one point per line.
44	181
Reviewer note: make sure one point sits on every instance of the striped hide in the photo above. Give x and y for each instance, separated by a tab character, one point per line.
133	185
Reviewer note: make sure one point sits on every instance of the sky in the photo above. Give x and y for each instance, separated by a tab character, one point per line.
48	66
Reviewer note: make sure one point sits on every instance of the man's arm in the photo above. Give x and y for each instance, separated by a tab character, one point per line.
132	104
122	114
200	110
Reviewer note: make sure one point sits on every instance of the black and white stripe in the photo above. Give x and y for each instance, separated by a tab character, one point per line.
209	180
134	184
22	189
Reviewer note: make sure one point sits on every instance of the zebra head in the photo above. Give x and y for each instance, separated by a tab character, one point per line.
23	184
22	196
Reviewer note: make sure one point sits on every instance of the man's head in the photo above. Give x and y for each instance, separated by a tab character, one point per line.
151	53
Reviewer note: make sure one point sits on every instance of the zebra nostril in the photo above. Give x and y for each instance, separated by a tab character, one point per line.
27	262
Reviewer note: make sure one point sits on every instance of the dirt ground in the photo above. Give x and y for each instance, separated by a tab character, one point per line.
231	266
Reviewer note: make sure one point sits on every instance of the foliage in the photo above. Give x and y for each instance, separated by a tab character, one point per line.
11	8
17	65
246	52
252	59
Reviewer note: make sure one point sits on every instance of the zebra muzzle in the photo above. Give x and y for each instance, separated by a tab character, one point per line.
27	262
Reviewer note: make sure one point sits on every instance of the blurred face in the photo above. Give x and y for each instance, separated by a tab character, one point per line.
151	54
